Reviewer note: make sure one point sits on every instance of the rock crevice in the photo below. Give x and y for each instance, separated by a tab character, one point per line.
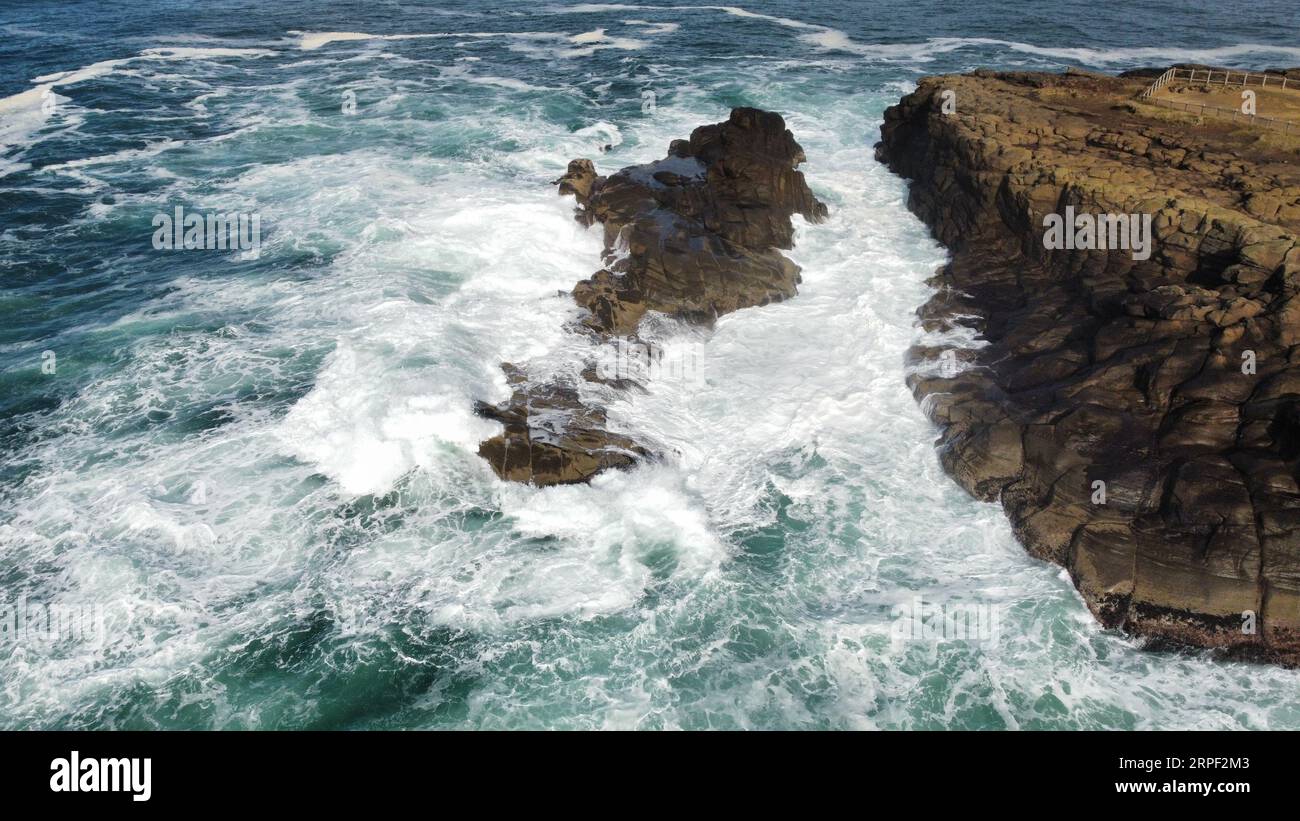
1137	418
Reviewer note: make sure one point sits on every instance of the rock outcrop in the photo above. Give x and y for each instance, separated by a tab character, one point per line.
692	236
1138	419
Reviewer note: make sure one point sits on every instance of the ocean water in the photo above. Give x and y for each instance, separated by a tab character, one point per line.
259	474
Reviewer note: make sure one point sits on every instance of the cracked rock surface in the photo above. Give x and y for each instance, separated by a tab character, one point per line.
1173	380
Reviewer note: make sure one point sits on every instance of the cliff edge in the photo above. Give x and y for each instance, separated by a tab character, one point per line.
1136	409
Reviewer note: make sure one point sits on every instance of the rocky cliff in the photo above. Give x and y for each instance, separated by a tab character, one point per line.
692	236
1137	416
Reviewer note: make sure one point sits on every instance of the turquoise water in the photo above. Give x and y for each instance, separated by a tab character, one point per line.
263	470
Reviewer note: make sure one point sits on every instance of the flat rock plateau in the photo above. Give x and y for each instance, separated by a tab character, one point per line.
1170	384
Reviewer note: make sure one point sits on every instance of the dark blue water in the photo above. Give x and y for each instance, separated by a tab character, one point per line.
257	473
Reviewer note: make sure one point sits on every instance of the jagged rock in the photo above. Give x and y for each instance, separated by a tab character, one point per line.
578	180
551	437
694	236
1172	380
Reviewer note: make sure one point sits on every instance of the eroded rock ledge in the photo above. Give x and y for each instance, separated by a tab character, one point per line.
692	236
1104	368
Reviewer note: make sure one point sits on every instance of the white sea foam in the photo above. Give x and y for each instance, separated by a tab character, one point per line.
546	44
196	53
315	39
584	44
125	156
654	28
603	134
1161	55
26	112
310	41
461	72
594	36
323	495
926	51
597	8
831	39
736	11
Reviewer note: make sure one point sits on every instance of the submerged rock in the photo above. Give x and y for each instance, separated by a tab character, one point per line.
1135	415
692	236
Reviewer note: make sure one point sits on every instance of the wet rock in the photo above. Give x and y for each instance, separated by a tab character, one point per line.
578	180
1136	417
551	437
692	236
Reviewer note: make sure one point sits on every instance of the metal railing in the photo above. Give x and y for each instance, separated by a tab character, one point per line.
1284	126
1214	77
1161	81
1209	77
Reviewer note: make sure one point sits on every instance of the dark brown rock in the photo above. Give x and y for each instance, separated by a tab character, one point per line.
551	437
578	180
1106	368
694	236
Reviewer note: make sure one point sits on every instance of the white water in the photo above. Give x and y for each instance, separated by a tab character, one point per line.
644	599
